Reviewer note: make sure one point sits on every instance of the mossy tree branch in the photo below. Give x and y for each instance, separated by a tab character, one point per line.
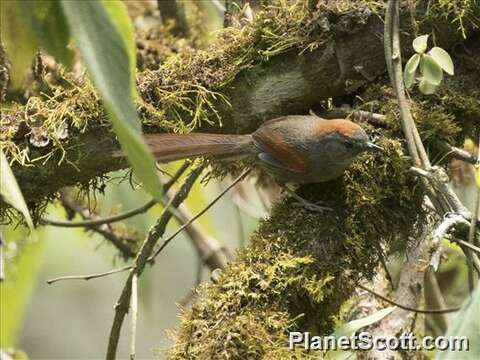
248	76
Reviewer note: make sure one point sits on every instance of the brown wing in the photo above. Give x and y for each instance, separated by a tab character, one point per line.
272	141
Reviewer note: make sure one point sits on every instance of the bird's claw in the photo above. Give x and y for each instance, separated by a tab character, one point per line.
313	207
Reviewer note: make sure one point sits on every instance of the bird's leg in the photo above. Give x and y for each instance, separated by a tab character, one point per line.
306	204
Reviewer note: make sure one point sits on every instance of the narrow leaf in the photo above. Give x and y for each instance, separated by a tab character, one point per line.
106	57
442	58
431	70
426	87
420	44
465	323
349	328
118	13
19	40
9	190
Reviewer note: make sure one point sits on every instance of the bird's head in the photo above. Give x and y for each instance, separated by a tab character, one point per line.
343	140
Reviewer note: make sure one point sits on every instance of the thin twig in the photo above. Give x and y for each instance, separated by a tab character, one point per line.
212	253
134	306
203	211
467	244
456	152
473	228
101	221
89	277
408	308
153	235
2	260
128	214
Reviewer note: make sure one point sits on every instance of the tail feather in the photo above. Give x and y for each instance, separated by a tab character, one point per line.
170	147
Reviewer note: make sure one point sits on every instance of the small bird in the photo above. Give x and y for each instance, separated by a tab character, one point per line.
293	148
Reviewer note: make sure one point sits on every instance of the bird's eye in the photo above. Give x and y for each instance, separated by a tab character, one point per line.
349	144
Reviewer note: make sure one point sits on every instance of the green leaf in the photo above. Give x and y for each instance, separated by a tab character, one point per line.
412	63
47	21
9	190
408	78
477	178
442	58
19	40
349	328
465	323
426	87
105	54
420	44
119	16
431	70
22	268
410	69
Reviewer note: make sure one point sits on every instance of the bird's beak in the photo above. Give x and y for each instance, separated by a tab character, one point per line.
373	147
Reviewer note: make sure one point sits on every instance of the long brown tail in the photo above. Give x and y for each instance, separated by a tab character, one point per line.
169	147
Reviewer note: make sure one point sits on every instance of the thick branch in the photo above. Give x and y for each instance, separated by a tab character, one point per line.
291	81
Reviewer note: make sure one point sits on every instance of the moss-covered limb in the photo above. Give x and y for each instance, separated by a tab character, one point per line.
290	58
302	266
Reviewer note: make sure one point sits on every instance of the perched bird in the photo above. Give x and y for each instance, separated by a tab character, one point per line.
294	148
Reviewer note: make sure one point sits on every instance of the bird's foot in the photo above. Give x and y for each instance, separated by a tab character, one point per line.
314	207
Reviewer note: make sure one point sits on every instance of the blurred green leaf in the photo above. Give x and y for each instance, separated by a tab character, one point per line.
19	40
21	271
119	15
477	178
13	354
426	87
420	44
442	58
430	69
9	190
105	54
466	323
47	21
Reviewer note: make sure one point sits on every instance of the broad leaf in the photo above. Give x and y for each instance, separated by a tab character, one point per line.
410	70
431	70
19	40
408	78
412	63
9	190
420	44
105	54
466	323
442	58
426	87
